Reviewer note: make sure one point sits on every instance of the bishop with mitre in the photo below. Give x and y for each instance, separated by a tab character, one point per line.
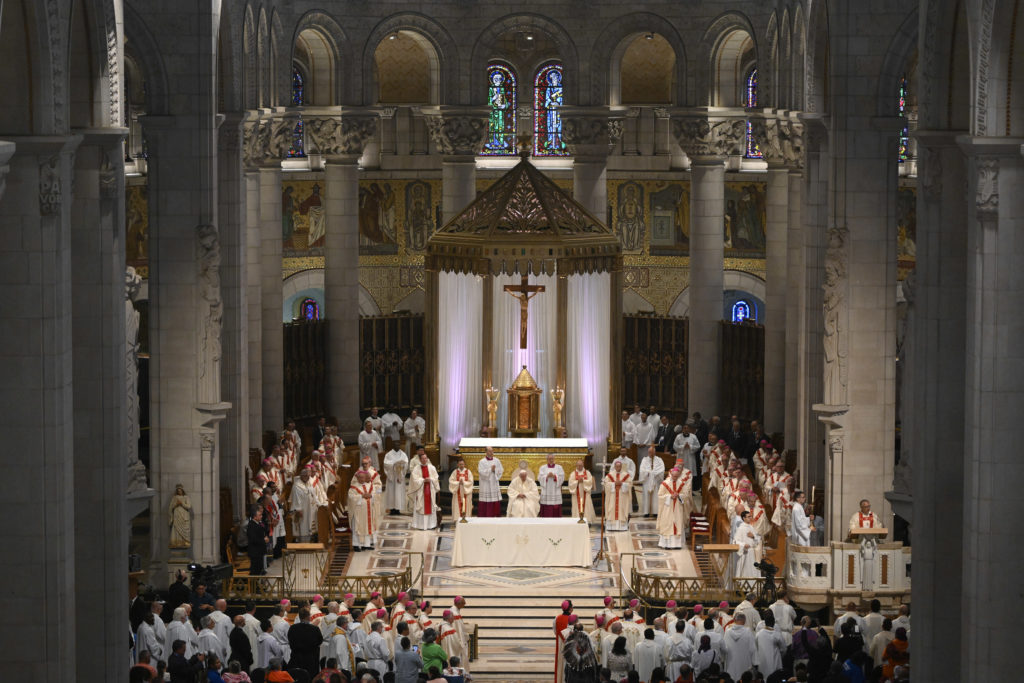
581	483
617	499
363	513
423	488
523	496
460	485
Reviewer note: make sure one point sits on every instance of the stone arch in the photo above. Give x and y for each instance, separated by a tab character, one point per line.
796	64
338	51
413	302
783	85
816	59
280	69
475	71
250	74
605	86
230	59
998	84
731	280
445	89
148	58
901	49
94	65
263	60
722	48
406	70
768	74
27	59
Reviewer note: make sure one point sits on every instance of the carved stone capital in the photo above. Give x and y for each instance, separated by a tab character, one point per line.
341	135
780	140
457	134
705	138
50	189
986	193
590	135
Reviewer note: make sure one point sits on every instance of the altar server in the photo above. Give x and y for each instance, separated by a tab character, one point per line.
686	446
460	485
617	501
652	473
396	464
746	539
370	443
581	483
302	505
490	471
523	496
423	488
628	429
551	476
645	431
800	531
415	429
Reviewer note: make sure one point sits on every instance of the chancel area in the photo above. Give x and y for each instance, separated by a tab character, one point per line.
514	342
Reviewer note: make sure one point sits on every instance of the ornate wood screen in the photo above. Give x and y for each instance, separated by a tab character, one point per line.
305	368
742	372
392	362
654	363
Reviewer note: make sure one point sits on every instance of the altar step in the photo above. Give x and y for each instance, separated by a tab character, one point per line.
515	638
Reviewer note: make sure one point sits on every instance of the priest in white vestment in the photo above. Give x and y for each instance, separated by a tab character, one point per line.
550	478
679	649
460	485
652	473
674	503
364	514
686	446
617	500
648	656
645	432
303	506
396	466
523	496
740	648
415	428
423	488
378	484
628	429
370	444
581	483
490	470
637	415
145	638
391	428
800	530
746	539
865	518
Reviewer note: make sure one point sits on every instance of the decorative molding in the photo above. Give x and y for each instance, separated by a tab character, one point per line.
591	134
987	189
524	111
212	312
459	134
836	337
701	137
56	29
388	112
113	64
49	187
340	135
252	144
981	70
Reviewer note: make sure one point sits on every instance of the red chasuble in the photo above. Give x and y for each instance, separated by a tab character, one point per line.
427	490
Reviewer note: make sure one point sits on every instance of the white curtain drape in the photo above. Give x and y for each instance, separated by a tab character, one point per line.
459	373
540	356
588	374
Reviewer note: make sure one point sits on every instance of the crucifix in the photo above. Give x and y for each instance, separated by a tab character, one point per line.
526	291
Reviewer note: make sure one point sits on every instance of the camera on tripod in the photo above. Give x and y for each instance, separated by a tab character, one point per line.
767	568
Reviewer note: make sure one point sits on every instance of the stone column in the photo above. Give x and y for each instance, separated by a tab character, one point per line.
6	152
993	474
794	284
276	135
590	135
252	155
235	434
100	397
932	403
341	139
458	133
707	141
36	392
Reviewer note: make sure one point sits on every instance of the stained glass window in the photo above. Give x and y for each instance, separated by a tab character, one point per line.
904	131
298	148
501	95
741	311
750	100
547	122
310	309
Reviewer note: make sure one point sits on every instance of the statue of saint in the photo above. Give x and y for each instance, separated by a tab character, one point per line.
557	396
492	406
180	512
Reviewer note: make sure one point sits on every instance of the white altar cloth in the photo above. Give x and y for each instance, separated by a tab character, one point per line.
521	542
504	442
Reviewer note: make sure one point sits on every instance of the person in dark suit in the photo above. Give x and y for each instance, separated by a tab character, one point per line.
700	428
319	432
177	595
180	669
737	440
241	648
665	435
258	536
754	441
305	640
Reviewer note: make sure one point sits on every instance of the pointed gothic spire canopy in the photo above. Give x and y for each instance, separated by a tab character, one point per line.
524	223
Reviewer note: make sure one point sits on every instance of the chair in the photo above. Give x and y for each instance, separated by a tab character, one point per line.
257	675
300	675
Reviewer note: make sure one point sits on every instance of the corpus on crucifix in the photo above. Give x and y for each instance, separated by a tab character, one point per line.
524	292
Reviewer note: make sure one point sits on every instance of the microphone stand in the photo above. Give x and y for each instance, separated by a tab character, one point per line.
601	555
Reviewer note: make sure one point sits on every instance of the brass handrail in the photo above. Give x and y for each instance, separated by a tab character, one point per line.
244	587
685	589
622	578
418	578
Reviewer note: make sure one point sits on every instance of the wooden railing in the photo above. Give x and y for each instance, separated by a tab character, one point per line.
256	588
651	589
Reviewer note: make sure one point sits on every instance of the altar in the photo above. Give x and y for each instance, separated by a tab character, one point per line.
533	451
521	542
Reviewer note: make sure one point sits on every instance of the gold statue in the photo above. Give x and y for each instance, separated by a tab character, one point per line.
492	406
557	396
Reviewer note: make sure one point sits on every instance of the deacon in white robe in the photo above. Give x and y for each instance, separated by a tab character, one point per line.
550	477
396	466
341	647
645	432
617	501
267	647
628	429
675	500
679	649
740	648
363	513
391	428
145	638
423	488
303	505
800	531
637	415
460	485
209	642
370	444
686	446
648	656
523	496
746	539
652	473
490	470
581	484
415	428
180	629
376	650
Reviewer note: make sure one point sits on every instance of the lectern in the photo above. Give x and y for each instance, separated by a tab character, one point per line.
868	539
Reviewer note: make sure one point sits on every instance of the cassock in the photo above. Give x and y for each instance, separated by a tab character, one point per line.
363	513
424	495
391	428
550	478
370	444
674	502
652	472
643	435
267	648
861	521
686	447
529	504
490	471
415	428
396	465
145	639
800	530
460	485
303	500
342	650
209	642
452	642
740	650
617	502
647	657
746	539
580	486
